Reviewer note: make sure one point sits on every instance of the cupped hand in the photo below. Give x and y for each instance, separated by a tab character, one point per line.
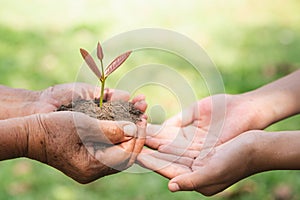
191	135
211	121
53	97
82	147
225	165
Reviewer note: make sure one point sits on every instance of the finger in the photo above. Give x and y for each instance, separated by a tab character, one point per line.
188	137
158	135
153	129
139	102
116	157
114	95
171	158
179	143
186	182
163	167
183	118
79	90
117	131
198	181
155	143
141	105
173	150
176	120
162	131
212	189
138	98
93	130
140	141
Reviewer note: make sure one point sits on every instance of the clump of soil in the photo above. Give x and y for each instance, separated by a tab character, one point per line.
110	110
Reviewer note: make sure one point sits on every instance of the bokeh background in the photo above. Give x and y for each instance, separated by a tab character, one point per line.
250	42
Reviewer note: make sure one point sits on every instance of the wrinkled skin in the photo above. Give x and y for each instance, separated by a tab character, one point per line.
53	97
69	138
66	140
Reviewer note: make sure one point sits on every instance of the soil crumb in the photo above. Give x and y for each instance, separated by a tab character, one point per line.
110	110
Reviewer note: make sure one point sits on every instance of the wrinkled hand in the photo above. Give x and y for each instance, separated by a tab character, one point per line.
53	97
225	165
82	147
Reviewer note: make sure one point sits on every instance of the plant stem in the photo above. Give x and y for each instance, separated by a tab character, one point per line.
102	93
102	80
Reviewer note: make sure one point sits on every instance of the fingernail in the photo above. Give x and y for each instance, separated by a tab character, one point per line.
174	187
129	130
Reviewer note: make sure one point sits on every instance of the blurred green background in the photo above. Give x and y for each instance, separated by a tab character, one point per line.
251	43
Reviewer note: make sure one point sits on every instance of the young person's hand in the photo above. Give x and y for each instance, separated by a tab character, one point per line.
249	153
198	146
216	119
208	122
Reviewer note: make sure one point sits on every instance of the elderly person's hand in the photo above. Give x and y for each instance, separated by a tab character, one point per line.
21	102
82	147
53	97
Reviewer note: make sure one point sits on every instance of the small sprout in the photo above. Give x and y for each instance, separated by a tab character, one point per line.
102	76
99	52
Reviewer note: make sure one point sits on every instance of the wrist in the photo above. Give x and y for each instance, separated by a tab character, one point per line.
253	145
253	155
277	151
14	140
261	109
275	101
36	144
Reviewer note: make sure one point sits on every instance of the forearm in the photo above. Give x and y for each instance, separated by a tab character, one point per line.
16	102
13	134
275	101
22	137
277	151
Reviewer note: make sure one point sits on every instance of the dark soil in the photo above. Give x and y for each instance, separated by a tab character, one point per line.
116	110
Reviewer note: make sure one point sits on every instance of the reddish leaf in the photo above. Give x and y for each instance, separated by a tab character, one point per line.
99	51
90	62
117	62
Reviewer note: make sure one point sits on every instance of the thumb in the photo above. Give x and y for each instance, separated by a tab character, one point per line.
186	182
111	132
117	131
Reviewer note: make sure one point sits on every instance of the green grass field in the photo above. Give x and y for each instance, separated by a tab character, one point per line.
251	43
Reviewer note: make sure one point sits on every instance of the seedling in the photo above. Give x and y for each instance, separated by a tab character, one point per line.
102	76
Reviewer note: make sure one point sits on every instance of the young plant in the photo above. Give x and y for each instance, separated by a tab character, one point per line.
102	76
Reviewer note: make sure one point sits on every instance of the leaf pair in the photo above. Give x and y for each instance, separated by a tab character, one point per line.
115	64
